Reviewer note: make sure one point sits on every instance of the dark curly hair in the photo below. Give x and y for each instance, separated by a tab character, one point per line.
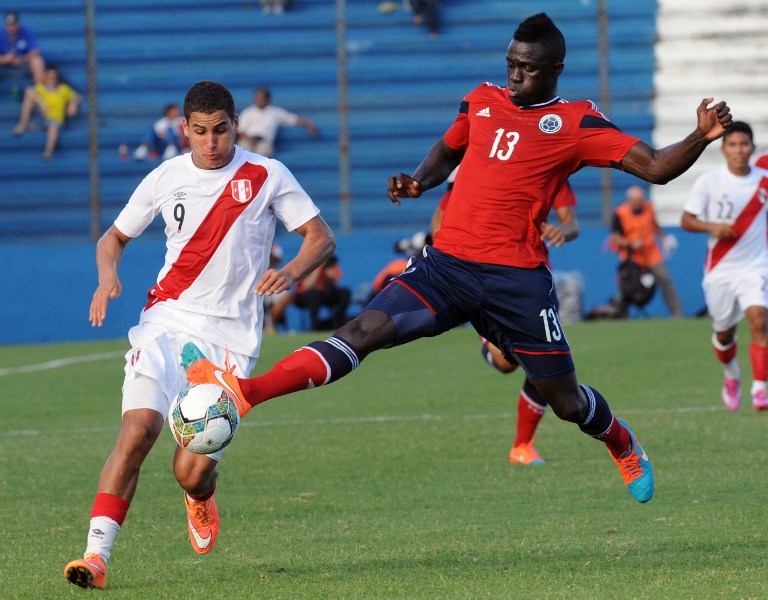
207	97
540	29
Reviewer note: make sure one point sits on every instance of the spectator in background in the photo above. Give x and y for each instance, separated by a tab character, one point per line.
56	101
18	47
635	234
404	248
165	136
321	288
274	7
426	12
259	123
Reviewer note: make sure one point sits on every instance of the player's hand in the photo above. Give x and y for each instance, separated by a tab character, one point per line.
713	121
403	186
108	289
723	231
552	235
274	281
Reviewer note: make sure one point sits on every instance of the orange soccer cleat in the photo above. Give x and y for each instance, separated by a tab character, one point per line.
202	523
525	454
201	370
87	572
636	469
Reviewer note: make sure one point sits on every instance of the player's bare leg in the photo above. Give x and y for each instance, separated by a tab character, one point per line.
197	474
117	485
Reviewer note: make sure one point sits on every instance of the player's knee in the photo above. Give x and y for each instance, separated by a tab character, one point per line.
369	331
138	433
196	474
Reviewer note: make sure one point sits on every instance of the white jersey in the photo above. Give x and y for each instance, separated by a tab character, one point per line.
219	225
719	196
264	122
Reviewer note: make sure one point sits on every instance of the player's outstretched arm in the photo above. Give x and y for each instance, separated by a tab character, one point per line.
664	165
109	252
318	245
690	222
433	170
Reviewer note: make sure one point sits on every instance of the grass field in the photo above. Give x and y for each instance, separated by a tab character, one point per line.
394	483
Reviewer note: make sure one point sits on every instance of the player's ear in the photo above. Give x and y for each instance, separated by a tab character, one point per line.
557	69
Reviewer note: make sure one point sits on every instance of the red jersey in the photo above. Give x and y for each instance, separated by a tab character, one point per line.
515	162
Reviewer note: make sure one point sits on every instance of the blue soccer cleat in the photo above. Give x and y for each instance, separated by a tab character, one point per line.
636	469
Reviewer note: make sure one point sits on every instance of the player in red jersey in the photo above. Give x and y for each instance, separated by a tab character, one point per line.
517	146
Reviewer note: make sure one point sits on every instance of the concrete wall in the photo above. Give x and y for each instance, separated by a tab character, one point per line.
46	289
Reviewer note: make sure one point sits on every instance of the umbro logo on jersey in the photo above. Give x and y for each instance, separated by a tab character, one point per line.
483	112
241	189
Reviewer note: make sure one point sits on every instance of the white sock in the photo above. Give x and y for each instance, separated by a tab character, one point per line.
758	386
732	370
101	536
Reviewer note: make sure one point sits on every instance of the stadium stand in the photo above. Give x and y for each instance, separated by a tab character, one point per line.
404	89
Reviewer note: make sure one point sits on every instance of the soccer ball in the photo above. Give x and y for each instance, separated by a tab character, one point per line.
203	418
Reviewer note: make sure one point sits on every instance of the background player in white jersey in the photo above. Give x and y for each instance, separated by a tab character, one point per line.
729	203
220	205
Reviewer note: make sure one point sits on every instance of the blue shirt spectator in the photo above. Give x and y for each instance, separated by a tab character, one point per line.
18	47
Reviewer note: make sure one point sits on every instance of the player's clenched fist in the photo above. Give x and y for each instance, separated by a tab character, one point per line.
403	186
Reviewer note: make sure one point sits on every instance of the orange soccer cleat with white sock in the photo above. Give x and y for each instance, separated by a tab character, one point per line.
87	572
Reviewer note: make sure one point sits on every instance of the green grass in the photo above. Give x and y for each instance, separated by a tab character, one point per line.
393	483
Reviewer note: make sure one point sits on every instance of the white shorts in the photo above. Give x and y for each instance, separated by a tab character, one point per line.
727	300
156	353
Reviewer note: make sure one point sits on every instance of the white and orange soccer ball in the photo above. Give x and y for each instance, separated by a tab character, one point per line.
203	418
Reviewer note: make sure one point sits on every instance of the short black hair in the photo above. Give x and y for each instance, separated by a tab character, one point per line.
739	127
540	29
207	97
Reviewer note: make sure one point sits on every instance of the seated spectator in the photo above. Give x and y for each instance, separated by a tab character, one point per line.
18	47
275	305
56	101
259	123
274	7
165	136
426	12
405	249
321	288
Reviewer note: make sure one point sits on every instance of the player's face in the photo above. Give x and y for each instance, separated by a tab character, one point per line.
737	149
531	73
212	139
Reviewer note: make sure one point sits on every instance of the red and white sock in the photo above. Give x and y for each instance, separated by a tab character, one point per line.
107	516
726	354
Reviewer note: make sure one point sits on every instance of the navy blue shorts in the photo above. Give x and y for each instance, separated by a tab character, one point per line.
513	308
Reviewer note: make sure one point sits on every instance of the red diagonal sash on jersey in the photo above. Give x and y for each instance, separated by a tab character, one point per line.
237	194
747	216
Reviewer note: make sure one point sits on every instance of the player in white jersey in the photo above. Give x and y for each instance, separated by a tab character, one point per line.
729	203
220	205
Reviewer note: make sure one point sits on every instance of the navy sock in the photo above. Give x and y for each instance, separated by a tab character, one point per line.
599	418
340	357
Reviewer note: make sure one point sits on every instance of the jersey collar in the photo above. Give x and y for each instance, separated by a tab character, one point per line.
554	100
